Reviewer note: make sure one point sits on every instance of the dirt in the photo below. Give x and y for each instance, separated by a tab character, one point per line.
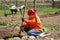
51	20
46	19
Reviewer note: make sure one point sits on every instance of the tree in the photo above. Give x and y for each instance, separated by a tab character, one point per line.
35	3
53	3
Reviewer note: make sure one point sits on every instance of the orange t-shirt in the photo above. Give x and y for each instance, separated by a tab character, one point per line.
34	23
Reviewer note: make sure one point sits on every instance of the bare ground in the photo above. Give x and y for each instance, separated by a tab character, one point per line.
46	19
51	20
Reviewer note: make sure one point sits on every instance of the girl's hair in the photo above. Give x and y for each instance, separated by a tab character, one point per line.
37	18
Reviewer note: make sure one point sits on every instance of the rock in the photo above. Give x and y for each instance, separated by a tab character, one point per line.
6	32
16	38
24	38
9	39
1	39
52	38
31	37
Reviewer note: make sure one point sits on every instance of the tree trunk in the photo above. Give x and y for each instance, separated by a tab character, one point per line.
53	3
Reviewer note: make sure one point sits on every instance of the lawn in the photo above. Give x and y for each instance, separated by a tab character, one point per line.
2	12
55	27
44	10
47	10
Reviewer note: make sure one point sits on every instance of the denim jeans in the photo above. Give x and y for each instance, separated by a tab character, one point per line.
33	32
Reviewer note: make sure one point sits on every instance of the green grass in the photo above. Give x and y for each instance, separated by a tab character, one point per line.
44	10
2	12
47	26
15	24
47	10
56	27
3	23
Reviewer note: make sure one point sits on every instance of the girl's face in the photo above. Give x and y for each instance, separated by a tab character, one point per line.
31	16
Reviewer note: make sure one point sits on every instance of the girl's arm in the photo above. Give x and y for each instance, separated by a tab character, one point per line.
30	21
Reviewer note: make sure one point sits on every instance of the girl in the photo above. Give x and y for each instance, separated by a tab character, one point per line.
33	25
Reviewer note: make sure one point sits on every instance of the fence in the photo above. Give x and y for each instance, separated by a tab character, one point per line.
30	3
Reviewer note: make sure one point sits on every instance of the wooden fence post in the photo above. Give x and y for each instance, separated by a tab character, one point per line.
35	3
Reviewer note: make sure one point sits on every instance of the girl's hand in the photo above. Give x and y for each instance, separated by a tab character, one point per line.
23	19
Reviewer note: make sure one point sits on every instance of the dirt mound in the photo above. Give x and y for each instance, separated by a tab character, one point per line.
9	31
54	35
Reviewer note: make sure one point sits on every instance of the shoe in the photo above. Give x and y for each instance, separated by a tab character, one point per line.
43	34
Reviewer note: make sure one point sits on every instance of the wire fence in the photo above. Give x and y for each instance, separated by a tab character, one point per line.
30	3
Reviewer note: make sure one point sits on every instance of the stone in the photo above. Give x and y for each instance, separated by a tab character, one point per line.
1	39
16	38
32	37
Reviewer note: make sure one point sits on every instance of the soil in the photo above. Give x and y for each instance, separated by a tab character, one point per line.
51	20
46	19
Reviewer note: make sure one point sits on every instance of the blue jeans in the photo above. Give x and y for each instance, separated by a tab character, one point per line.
33	32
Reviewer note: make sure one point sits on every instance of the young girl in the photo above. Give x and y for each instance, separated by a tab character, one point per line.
33	25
